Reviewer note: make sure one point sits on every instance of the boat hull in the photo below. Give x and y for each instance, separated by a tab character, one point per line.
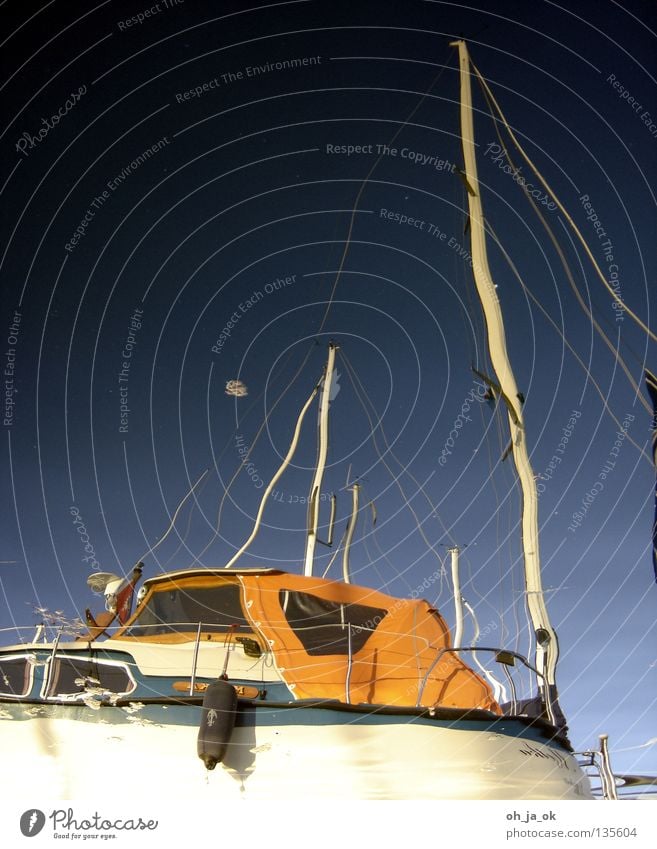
281	752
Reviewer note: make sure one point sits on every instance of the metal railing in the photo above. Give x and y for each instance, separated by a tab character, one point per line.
506	658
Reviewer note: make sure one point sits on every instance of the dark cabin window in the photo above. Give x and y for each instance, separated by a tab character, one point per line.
180	610
323	626
14	676
68	671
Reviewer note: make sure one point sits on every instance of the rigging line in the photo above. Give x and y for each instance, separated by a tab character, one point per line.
501	422
499	419
354	210
326	311
476	312
473	312
244	460
573	286
640	360
242	463
499	691
514	483
564	212
581	362
491	477
336	552
187	529
173	520
373	535
352	374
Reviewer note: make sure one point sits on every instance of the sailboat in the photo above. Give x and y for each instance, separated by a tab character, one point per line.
257	683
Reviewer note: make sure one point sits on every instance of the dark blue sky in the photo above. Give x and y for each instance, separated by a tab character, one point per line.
178	184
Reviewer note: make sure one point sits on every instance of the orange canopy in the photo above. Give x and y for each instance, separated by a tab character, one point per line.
329	640
311	624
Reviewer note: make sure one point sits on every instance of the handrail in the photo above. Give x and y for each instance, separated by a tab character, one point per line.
512	687
347	683
52	663
20	630
191	627
192	679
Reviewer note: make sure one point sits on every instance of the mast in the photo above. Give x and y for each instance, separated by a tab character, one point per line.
351	527
606	772
547	646
458	598
316	487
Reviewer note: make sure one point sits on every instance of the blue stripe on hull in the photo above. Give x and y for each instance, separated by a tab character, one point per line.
267	716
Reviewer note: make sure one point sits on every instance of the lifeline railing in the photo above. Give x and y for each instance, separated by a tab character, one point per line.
504	657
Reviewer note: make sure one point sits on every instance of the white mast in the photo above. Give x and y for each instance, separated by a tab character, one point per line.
351	527
316	487
458	598
547	647
272	482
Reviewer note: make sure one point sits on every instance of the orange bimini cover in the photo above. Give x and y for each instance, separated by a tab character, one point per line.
313	627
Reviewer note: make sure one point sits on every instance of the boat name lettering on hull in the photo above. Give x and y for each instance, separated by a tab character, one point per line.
545	754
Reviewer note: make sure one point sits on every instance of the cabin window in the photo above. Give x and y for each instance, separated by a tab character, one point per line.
179	610
15	676
323	626
73	676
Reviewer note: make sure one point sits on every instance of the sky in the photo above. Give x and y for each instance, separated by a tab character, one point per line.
196	192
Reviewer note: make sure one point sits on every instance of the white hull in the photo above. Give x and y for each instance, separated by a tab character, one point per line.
70	758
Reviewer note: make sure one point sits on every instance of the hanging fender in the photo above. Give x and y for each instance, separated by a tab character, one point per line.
218	716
